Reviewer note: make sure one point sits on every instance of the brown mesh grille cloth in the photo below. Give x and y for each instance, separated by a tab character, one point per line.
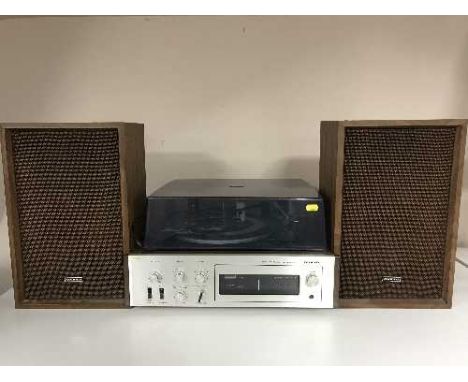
68	198
396	189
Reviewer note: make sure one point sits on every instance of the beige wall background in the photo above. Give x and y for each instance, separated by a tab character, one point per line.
232	96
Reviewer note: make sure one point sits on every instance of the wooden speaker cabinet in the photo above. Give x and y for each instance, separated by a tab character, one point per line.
73	191
392	190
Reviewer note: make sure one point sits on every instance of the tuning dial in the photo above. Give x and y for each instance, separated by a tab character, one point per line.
312	280
180	296
179	276
155	277
200	277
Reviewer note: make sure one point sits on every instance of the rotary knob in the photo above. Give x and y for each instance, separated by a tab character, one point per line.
179	276
155	277
312	280
180	296
200	278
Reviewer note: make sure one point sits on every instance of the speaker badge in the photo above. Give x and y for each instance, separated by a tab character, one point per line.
73	279
392	279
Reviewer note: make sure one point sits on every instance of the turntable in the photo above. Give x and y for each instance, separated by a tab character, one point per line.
225	214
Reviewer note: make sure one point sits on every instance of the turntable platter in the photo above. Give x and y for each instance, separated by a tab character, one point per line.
218	231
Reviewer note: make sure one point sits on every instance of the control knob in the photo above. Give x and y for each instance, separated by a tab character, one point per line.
179	276
180	296
155	277
200	277
312	280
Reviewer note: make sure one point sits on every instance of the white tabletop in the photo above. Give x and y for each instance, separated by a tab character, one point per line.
184	336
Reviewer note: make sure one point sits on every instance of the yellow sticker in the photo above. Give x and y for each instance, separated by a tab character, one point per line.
312	207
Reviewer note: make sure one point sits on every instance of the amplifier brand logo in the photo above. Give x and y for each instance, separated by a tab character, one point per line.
391	279
73	279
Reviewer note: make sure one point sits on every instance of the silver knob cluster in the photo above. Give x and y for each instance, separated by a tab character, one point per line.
201	277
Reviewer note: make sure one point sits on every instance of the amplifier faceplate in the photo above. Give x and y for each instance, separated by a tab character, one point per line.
232	280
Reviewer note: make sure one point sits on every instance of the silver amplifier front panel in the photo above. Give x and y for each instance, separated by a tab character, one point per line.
232	280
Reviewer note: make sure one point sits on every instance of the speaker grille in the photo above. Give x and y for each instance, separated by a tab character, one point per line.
396	187
69	209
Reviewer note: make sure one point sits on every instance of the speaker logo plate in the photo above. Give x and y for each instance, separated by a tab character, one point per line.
73	279
392	279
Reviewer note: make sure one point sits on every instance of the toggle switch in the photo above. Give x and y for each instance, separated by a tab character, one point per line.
201	297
